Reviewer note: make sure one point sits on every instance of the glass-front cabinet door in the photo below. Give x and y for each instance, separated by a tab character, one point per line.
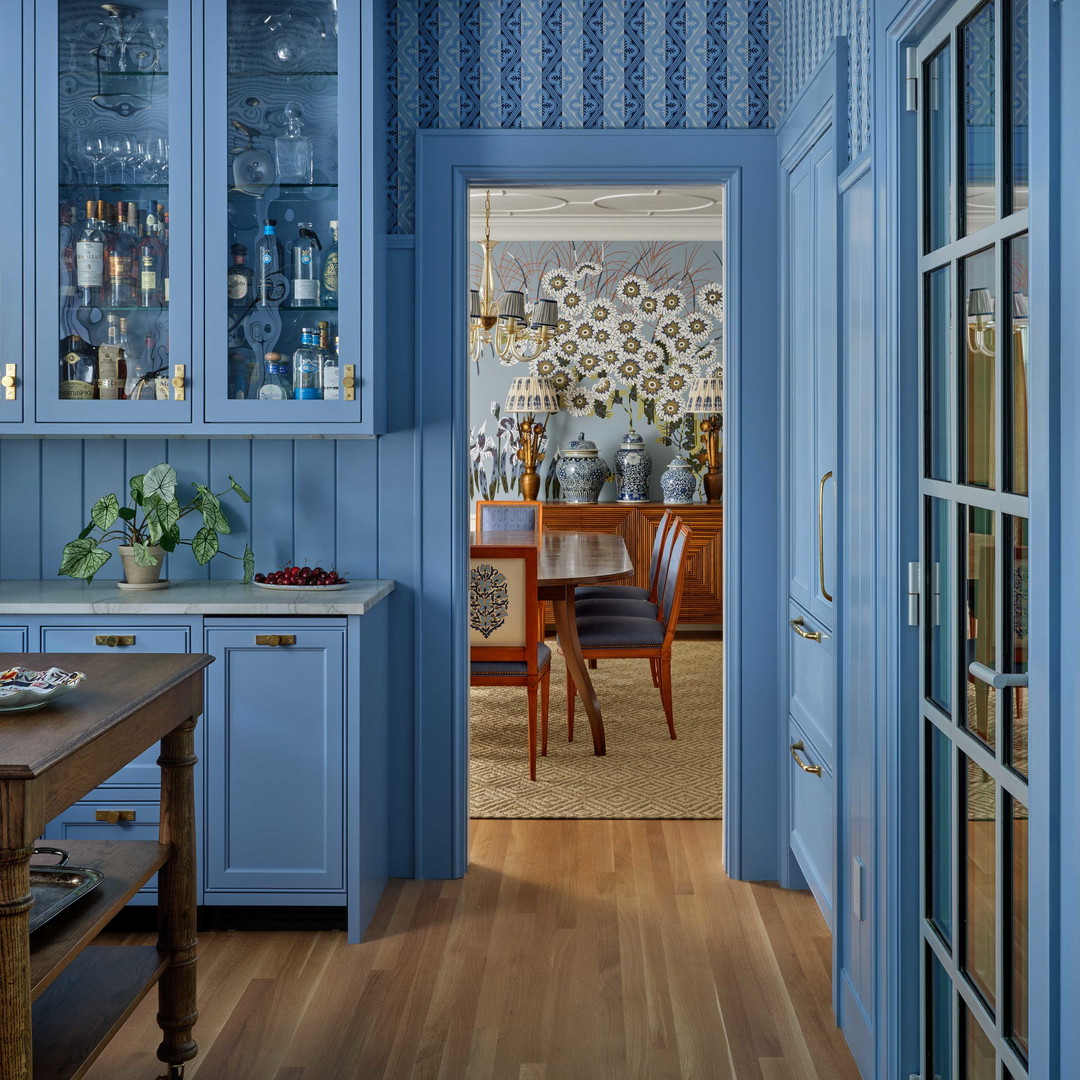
282	185
112	302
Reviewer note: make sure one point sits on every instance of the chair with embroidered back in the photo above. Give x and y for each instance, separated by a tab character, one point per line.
634	636
504	644
516	515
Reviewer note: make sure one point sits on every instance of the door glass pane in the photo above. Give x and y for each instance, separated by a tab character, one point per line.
939	1020
1016	658
113	100
978	1051
939	597
1016	379
1018	93
977	398
937	146
939	335
979	156
939	803
977	877
1017	928
282	175
979	620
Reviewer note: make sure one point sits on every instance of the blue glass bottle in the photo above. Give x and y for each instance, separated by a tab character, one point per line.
307	369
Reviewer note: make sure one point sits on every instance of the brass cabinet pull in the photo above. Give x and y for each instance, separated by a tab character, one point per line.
275	639
821	535
114	640
179	381
348	382
810	635
114	817
8	382
795	748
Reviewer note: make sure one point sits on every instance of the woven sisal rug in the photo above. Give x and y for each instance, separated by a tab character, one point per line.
643	775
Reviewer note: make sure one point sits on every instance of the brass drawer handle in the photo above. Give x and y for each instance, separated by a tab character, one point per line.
114	640
275	639
821	535
795	748
114	817
810	635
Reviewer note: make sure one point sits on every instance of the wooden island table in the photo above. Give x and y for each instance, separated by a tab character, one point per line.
62	998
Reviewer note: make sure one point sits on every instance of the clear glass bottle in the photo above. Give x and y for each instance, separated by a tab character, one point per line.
292	149
165	253
306	267
331	373
239	277
119	262
151	261
243	367
142	382
269	279
306	369
276	384
90	258
330	270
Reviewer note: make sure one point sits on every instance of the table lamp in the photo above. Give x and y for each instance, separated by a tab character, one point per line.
526	397
706	398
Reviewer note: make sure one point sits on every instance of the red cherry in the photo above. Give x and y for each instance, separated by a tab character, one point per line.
260	578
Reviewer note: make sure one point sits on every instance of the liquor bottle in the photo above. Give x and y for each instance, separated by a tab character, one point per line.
331	373
269	260
78	369
276	383
330	270
90	257
68	280
165	251
305	267
292	149
151	256
112	359
142	383
243	367
306	369
239	277
120	262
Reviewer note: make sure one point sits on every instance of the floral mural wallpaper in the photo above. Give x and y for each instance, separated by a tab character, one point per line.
637	322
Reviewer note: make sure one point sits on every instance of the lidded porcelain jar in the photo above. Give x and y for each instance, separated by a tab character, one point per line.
678	482
581	471
633	467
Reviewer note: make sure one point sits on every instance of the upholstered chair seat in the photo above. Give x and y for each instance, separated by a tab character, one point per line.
639	609
620	632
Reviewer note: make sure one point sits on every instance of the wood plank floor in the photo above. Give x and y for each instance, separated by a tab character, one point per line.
573	950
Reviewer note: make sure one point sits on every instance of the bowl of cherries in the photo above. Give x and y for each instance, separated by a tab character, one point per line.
301	578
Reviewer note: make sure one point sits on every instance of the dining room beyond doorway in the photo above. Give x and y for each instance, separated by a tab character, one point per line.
597	355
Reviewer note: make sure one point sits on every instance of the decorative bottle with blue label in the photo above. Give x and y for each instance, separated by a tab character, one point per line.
306	267
269	274
307	366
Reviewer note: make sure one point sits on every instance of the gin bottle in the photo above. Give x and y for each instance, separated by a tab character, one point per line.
276	384
331	373
330	270
269	283
306	369
305	267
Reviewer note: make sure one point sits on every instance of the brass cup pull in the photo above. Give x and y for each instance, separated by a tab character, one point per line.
275	639
795	748
113	641
114	817
810	635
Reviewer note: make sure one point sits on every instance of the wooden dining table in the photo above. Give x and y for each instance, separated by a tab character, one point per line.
567	560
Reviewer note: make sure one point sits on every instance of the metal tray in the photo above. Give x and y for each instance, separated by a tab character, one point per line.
57	886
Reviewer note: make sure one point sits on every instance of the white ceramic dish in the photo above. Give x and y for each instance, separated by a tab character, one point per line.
22	689
301	588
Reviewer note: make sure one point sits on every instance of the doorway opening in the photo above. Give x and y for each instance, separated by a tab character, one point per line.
635	275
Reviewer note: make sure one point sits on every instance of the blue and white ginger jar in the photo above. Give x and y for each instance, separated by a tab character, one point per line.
678	482
581	471
633	467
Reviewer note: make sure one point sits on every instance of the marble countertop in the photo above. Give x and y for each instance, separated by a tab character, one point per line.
68	597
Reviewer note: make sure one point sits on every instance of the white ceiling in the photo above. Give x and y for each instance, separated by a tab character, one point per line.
600	213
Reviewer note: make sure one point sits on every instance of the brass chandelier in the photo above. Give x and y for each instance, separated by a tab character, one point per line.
505	325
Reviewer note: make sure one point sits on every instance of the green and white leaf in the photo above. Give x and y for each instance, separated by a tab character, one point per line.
204	545
238	489
135	485
210	507
249	564
126	513
160	481
105	511
83	559
143	556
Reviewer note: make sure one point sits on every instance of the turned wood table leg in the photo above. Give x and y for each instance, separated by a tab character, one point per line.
16	1044
177	1010
566	627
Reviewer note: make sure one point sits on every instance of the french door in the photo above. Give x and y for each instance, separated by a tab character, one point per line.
973	266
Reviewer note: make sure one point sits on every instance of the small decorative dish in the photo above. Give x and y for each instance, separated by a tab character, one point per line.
22	689
56	886
301	588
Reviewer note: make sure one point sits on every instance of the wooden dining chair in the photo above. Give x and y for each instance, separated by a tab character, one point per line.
631	636
509	515
635	592
504	644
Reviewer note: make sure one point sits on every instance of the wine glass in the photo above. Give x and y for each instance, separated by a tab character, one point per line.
159	154
122	148
96	150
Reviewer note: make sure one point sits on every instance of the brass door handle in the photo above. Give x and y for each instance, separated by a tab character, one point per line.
821	535
114	640
810	635
795	748
8	382
274	640
114	817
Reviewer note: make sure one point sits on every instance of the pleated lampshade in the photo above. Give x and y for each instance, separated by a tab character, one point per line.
706	396
530	395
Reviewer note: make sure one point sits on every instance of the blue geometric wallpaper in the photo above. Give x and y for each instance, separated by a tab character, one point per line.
606	63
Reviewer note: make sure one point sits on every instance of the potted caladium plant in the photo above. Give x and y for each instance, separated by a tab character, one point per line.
149	527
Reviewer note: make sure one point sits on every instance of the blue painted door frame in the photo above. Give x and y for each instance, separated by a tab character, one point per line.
448	162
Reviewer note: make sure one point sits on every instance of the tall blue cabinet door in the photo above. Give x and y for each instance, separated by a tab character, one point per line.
16	230
275	749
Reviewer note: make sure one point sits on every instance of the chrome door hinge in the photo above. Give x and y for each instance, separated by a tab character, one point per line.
914	590
911	82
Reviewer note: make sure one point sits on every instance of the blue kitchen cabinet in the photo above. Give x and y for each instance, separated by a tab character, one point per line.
275	741
169	133
14	639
